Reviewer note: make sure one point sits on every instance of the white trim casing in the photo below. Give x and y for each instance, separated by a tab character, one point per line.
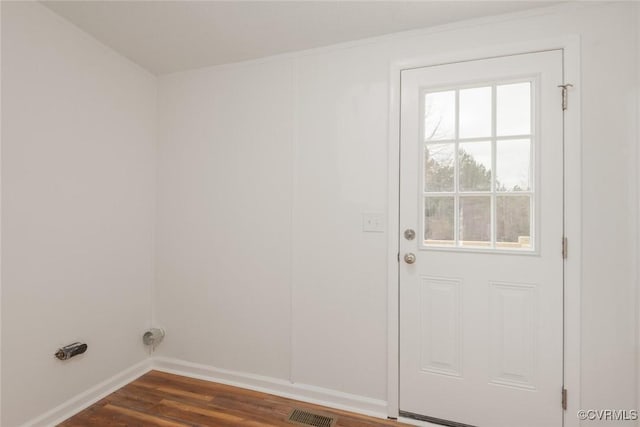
302	392
572	200
393	254
0	229
87	398
637	198
573	231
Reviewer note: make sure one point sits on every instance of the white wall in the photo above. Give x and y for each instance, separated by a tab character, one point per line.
338	272
266	167
78	149
224	218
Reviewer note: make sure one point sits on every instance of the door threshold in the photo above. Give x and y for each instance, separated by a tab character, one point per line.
433	420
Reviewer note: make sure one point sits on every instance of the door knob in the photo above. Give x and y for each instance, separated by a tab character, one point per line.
409	258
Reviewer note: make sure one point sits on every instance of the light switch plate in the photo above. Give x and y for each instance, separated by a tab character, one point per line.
373	222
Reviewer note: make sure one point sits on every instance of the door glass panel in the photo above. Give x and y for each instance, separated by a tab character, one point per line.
439	167
475	112
513	222
475	221
440	115
513	165
479	169
439	220
513	109
474	164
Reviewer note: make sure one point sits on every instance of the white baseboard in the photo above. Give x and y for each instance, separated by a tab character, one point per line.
305	393
89	397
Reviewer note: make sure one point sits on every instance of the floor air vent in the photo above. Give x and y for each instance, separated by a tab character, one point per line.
307	418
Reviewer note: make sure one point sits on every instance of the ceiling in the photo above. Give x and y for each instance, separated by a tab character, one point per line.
168	36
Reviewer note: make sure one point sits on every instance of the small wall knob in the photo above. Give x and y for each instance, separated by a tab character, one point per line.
409	258
153	337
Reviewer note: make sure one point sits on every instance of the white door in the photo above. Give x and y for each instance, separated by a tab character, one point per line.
481	277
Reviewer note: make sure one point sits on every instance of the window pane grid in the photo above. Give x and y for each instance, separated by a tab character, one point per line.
456	199
482	138
493	164
486	213
478	193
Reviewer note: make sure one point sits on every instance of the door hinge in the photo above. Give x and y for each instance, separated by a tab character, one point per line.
564	398
565	95
398	257
565	248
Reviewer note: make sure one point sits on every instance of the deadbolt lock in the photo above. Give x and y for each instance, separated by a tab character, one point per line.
409	234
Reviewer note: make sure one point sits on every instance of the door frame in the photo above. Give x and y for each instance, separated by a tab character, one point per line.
570	46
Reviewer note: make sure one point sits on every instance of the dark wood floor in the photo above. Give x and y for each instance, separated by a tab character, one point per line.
161	399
